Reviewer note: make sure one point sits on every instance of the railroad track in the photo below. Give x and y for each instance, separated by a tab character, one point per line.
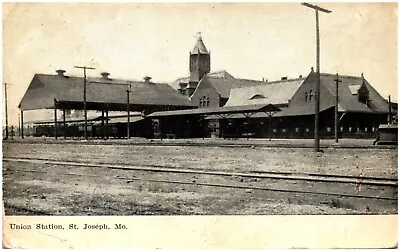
366	180
204	143
266	175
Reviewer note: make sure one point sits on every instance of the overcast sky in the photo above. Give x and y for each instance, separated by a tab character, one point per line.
255	41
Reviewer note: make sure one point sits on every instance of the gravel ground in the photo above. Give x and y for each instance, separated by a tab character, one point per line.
369	162
32	193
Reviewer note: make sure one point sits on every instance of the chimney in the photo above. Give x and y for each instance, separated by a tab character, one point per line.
104	75
147	79
60	72
283	78
263	80
300	76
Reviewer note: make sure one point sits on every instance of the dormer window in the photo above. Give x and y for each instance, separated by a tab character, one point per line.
257	96
354	89
361	91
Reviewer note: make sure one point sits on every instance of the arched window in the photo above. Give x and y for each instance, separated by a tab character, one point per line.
204	101
311	95
306	94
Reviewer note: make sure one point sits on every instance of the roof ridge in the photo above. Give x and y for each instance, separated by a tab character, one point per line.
107	82
96	79
271	83
252	80
274	81
55	75
215	77
119	79
334	75
212	72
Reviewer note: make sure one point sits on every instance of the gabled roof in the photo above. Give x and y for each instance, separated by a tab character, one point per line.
348	102
347	98
45	88
199	47
224	85
278	92
220	74
175	84
223	74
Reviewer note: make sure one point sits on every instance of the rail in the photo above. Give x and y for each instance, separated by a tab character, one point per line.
379	182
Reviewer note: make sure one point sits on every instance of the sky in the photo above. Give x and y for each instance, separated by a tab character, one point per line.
249	40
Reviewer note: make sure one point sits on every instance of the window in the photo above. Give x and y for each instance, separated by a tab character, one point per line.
284	130
274	130
297	129
341	129
366	129
349	129
310	95
328	129
307	129
204	101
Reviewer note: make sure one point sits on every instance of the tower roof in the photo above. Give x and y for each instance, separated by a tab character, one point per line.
199	47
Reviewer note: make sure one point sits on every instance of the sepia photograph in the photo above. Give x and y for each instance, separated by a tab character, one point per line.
261	110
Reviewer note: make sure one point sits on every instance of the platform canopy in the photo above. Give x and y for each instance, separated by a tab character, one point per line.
111	119
223	112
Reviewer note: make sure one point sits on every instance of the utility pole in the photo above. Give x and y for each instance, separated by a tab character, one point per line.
19	126
390	111
22	124
128	90
6	107
84	94
270	114
317	87
55	119
337	109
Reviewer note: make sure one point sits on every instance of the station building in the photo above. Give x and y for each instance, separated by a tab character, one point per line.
205	104
290	102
